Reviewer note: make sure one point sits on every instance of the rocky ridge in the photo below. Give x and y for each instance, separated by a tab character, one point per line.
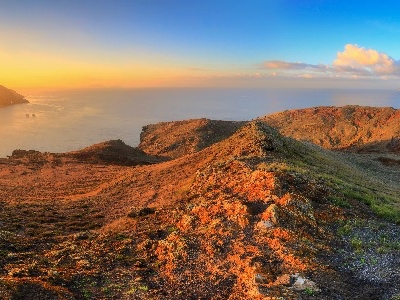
253	214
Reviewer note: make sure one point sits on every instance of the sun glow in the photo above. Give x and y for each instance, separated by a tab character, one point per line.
43	71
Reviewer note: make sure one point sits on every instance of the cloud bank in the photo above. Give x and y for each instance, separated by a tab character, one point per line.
354	62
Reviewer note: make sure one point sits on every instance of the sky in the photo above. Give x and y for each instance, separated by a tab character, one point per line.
47	44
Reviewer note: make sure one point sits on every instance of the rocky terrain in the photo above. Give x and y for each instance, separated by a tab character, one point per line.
10	97
210	210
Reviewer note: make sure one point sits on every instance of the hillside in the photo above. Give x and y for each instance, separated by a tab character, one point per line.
356	128
115	152
238	211
10	97
175	139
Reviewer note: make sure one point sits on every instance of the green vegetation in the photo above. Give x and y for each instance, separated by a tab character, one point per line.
361	235
357	244
85	285
309	291
274	167
171	229
386	245
143	288
344	231
339	201
121	237
344	173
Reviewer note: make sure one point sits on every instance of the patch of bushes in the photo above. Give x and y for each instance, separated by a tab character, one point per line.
339	201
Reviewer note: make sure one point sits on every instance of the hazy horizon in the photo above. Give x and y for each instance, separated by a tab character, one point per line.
70	120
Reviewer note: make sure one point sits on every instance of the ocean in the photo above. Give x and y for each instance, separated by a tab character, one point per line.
66	121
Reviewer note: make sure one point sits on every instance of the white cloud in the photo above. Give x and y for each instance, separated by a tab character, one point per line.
353	62
369	59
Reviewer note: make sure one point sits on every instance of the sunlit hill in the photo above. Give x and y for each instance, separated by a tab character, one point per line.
301	204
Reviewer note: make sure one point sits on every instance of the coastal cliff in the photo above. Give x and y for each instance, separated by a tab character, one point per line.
207	209
10	97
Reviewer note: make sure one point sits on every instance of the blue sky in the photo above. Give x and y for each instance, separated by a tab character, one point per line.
144	43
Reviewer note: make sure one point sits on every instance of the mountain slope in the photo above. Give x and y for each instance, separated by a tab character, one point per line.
175	139
349	127
253	215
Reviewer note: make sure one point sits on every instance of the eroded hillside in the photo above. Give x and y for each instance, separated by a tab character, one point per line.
246	214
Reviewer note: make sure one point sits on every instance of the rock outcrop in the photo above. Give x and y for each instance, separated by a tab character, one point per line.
10	97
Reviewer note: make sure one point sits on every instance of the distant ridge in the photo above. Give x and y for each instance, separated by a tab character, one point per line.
352	127
10	97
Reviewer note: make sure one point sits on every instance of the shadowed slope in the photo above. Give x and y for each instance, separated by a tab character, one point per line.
175	139
115	152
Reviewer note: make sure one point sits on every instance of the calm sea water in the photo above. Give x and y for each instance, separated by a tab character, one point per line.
73	120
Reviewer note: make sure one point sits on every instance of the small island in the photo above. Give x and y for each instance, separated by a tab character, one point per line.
10	97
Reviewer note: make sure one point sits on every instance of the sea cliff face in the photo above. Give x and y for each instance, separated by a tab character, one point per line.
10	97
